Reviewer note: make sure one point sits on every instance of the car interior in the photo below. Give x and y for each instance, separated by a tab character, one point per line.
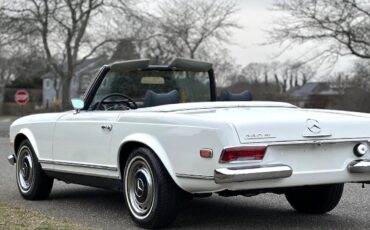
155	99
228	96
134	84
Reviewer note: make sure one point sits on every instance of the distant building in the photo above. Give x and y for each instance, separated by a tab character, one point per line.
315	95
84	74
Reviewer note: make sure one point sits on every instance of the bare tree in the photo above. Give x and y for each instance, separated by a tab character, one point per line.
186	26
361	75
285	75
9	42
6	68
227	72
66	29
254	73
289	75
341	26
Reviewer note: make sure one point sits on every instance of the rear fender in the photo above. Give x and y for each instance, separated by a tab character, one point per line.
156	146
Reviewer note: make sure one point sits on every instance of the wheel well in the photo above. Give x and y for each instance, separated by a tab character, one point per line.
18	140
125	152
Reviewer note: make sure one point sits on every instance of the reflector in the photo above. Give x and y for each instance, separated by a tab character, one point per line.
206	153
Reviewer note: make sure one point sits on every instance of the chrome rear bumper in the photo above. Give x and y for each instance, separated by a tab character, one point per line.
12	159
359	166
252	173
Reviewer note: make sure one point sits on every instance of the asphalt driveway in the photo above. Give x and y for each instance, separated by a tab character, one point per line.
104	209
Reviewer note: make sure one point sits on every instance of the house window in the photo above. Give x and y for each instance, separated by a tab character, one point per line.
47	83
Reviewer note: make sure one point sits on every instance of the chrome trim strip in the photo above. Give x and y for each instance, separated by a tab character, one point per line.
83	174
64	163
323	141
194	176
359	166
316	135
252	173
12	159
302	142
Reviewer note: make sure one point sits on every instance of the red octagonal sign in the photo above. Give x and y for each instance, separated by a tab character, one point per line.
22	97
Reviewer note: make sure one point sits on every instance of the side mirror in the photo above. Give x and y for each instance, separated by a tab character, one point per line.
78	104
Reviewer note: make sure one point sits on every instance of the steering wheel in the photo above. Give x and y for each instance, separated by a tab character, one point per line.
128	101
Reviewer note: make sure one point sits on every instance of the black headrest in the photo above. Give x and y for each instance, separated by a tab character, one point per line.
154	99
243	96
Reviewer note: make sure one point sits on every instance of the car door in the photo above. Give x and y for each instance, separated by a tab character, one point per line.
81	143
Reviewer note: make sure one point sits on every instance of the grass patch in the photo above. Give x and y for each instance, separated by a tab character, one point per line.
6	117
17	218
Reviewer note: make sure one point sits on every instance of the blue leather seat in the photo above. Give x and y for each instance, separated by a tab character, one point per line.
228	96
154	99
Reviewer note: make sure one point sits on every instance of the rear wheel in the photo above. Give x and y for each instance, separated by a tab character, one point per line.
315	199
33	183
150	193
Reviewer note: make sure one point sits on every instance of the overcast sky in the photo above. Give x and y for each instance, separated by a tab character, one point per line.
255	17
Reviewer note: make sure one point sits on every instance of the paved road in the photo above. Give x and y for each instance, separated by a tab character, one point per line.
4	126
105	209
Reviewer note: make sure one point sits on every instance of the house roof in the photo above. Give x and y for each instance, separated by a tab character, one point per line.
314	88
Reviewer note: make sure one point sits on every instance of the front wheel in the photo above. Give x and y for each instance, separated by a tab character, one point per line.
150	193
315	199
33	183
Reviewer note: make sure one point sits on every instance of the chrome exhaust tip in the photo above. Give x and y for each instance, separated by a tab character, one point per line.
12	159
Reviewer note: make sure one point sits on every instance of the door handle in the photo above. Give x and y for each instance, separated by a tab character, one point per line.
107	127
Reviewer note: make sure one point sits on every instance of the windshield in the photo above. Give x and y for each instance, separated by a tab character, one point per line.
155	87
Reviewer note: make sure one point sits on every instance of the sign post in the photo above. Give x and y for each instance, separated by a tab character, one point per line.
22	97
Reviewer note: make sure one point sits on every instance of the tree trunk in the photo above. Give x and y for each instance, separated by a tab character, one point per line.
266	79
2	93
291	76
296	84
278	84
304	81
285	85
65	87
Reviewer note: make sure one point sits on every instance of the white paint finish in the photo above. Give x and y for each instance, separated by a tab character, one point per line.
312	178
286	124
214	105
176	133
311	164
177	146
79	138
39	130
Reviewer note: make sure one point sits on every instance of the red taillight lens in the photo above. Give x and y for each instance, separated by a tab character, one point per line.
243	153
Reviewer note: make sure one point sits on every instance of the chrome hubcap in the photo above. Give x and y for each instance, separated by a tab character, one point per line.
139	187
25	166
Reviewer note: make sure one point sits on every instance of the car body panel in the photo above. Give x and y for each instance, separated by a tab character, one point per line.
39	130
75	142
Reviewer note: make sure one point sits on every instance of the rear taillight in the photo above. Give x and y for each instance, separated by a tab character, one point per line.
245	153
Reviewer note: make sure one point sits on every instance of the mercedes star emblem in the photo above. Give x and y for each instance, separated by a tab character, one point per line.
139	187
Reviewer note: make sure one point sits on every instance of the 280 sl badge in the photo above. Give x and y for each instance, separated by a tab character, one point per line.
258	136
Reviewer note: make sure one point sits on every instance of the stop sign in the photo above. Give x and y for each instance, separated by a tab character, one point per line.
22	97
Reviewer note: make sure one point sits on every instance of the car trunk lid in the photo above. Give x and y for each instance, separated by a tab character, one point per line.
279	124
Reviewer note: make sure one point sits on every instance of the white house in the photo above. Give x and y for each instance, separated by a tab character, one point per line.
84	74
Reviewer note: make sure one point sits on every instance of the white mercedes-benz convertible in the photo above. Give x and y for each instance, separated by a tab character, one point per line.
159	134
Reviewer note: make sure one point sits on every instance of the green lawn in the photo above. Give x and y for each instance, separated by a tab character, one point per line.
17	218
